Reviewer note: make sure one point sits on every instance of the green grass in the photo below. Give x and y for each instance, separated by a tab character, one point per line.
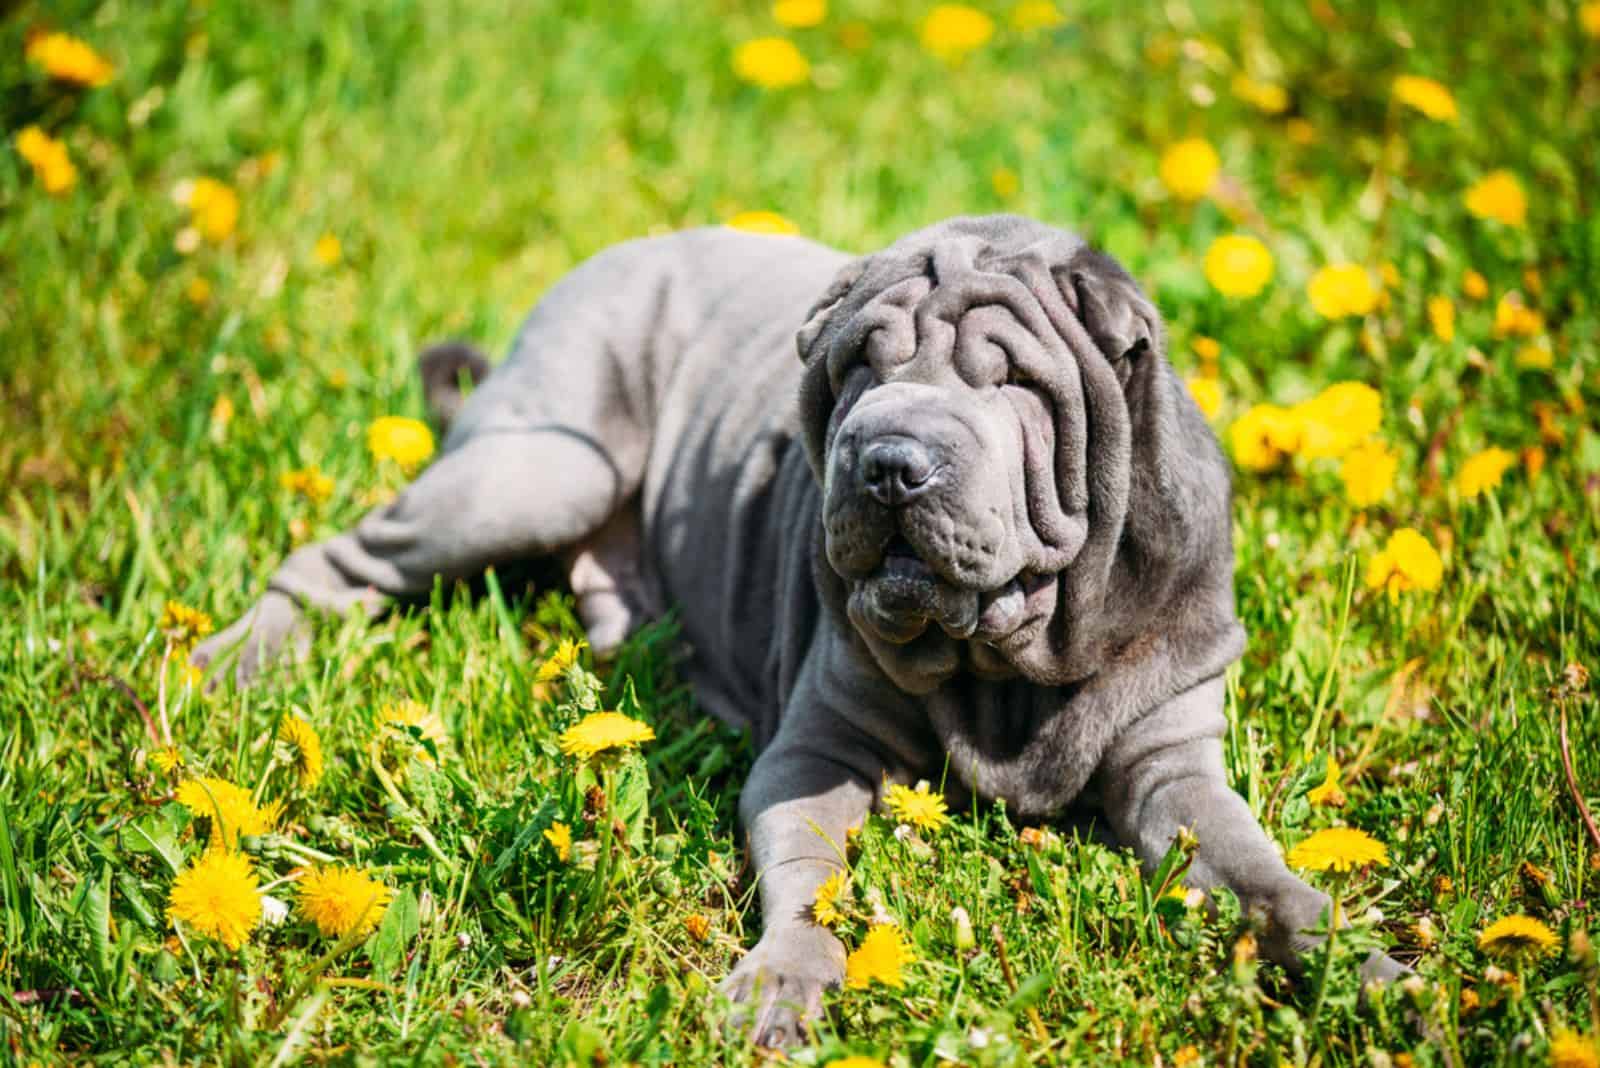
468	154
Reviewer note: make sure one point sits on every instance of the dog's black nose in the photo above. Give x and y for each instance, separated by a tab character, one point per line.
896	469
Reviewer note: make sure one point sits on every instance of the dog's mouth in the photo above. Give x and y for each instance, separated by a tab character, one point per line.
904	595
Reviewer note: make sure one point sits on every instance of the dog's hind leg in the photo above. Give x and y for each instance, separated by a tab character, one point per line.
537	460
495	498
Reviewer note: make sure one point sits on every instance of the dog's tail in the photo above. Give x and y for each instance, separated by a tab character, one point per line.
450	370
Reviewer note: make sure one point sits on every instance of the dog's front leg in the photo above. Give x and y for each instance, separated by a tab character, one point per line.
797	806
813	782
1166	772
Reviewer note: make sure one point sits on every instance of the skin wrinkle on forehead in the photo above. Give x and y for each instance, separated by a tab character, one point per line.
943	306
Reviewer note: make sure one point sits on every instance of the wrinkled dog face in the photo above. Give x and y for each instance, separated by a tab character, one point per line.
952	388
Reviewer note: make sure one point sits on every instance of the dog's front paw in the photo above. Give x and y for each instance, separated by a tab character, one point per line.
778	986
273	626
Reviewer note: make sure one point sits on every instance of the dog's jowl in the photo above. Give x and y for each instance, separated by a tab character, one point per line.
976	532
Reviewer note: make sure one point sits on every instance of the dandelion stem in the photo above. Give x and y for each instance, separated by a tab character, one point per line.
1327	957
161	694
413	818
1309	739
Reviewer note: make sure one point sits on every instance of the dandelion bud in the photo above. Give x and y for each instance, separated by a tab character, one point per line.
1187	842
965	939
1581	949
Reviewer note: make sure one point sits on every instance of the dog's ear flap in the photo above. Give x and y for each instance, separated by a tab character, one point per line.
1121	320
449	369
817	318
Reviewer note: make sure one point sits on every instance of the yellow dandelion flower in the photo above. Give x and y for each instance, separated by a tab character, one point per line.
307	482
799	14
1189	168
601	731
67	59
230	809
880	957
1474	285
918	806
1238	265
405	716
1367	472
825	904
221	415
167	758
698	927
1513	318
307	749
1442	318
1483	471
1031	15
1589	17
1498	196
408	442
49	160
1005	182
763	222
1328	792
952	31
341	900
856	1062
561	661
1207	394
771	63
213	207
1209	349
218	896
559	835
1342	289
1263	436
1515	937
183	625
198	291
328	250
1538	356
1265	97
1568	1049
1407	562
1338	419
1338	849
1431	98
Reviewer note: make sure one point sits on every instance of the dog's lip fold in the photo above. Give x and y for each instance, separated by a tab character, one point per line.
904	594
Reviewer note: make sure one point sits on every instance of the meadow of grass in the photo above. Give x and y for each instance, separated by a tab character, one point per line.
406	171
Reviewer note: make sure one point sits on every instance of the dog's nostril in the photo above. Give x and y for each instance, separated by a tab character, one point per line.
894	469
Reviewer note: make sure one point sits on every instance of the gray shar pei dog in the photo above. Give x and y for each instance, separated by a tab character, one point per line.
989	545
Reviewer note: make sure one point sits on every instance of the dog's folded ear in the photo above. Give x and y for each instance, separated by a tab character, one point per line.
449	369
805	340
1114	311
